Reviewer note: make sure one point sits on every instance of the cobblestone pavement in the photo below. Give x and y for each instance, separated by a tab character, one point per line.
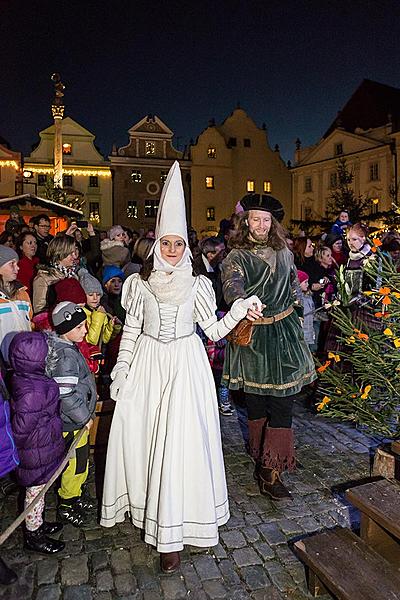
253	559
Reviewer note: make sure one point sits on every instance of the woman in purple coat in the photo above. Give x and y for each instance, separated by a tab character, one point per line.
37	428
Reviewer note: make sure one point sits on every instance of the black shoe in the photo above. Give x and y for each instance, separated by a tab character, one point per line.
85	502
7	575
49	528
39	542
69	513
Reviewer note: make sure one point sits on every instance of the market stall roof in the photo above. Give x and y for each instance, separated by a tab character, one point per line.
30	200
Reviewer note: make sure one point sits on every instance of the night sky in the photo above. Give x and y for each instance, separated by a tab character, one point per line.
290	63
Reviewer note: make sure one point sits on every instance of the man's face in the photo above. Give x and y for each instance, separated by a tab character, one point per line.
259	223
217	255
14	216
43	228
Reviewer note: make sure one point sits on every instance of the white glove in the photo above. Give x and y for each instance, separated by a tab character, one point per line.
117	384
240	307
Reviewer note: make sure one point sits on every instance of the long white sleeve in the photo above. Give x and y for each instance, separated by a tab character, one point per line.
205	308
132	301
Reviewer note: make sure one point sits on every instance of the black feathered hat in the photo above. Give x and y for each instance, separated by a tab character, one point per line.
263	202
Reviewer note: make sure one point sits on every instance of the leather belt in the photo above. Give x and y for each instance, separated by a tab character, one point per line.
275	318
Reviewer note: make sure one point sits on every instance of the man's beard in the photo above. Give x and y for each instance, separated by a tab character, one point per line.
259	237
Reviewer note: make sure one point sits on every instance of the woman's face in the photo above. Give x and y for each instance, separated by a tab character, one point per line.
309	249
9	271
10	242
172	249
114	286
326	258
355	241
29	246
70	260
337	246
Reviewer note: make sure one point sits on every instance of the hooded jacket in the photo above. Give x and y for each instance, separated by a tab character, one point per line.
78	393
8	450
35	404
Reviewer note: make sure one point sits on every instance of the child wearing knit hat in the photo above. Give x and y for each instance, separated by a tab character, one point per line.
78	398
305	298
101	327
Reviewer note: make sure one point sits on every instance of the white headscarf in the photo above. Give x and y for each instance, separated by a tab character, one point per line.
171	284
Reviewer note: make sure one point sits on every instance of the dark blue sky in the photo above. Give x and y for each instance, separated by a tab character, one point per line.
290	63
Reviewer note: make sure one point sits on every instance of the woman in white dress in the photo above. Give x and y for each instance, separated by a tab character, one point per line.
164	460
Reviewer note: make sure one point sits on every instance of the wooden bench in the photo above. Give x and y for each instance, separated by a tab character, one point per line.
339	562
379	505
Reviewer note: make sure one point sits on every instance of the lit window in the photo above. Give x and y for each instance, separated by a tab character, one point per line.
67	180
246	142
93	181
136	176
94	211
212	152
150	148
267	186
163	176
307	184
210	213
67	148
131	209
42	179
251	185
374	172
338	149
151	208
333	180
210	183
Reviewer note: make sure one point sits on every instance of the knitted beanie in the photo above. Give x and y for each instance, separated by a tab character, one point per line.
302	276
66	316
111	271
90	284
69	290
115	230
7	255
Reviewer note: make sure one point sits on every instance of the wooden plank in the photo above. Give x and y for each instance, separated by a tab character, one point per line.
379	500
380	540
100	429
348	567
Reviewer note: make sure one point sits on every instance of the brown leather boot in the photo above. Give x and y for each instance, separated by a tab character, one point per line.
170	562
271	484
256	433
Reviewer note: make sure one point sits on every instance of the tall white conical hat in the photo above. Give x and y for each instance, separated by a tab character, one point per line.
171	220
171	216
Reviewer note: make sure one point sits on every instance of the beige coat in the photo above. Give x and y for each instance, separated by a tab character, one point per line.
46	277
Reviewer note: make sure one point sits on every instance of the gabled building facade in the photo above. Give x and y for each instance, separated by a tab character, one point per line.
229	161
366	134
139	171
85	172
10	169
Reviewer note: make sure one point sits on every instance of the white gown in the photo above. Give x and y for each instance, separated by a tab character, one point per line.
164	460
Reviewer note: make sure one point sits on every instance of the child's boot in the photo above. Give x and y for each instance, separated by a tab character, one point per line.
39	542
68	512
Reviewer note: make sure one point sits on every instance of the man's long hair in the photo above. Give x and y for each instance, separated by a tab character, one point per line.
240	238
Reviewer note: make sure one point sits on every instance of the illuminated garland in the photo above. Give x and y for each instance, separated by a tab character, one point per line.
9	163
76	172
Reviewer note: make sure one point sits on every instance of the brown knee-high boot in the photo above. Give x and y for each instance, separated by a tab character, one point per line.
256	434
277	456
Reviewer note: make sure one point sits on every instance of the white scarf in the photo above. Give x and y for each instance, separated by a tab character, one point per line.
363	252
171	284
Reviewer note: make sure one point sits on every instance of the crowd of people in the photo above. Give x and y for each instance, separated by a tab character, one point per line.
174	328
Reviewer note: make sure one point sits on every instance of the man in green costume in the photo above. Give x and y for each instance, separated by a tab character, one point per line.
277	363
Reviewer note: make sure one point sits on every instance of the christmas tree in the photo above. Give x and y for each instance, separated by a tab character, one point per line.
361	382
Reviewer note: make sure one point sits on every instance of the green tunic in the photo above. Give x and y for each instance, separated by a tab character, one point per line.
278	361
